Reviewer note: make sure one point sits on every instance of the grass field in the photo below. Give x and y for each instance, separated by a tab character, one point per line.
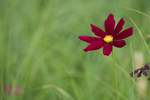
40	50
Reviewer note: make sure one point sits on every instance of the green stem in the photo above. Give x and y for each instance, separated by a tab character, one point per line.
132	90
115	75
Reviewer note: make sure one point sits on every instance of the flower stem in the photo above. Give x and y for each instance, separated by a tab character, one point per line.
115	75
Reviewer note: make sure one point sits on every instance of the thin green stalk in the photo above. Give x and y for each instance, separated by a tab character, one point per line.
132	89
115	75
140	33
136	11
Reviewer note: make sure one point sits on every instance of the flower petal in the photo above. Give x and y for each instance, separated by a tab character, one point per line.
109	24
94	46
126	33
147	65
131	74
89	39
119	27
144	72
139	74
119	43
135	71
97	31
107	49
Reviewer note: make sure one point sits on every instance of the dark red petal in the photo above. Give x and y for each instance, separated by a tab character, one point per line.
126	33
107	49
119	43
144	72
131	74
135	72
109	24
147	65
90	39
94	46
97	31
119	27
139	74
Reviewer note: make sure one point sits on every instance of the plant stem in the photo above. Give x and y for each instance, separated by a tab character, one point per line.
115	75
132	90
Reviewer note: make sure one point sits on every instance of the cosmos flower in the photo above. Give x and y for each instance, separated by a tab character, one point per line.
112	36
141	70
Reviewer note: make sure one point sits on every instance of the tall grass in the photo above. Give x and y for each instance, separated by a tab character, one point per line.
41	53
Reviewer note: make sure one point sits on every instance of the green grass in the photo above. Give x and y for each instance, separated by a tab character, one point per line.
41	53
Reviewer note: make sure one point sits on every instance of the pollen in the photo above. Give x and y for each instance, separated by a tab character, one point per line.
108	38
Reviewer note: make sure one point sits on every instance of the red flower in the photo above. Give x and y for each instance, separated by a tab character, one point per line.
111	37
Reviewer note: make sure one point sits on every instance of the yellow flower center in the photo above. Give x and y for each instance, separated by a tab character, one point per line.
108	38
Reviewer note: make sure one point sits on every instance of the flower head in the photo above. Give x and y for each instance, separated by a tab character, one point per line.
112	36
141	70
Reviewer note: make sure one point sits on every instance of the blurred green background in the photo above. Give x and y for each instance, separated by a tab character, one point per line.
40	50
